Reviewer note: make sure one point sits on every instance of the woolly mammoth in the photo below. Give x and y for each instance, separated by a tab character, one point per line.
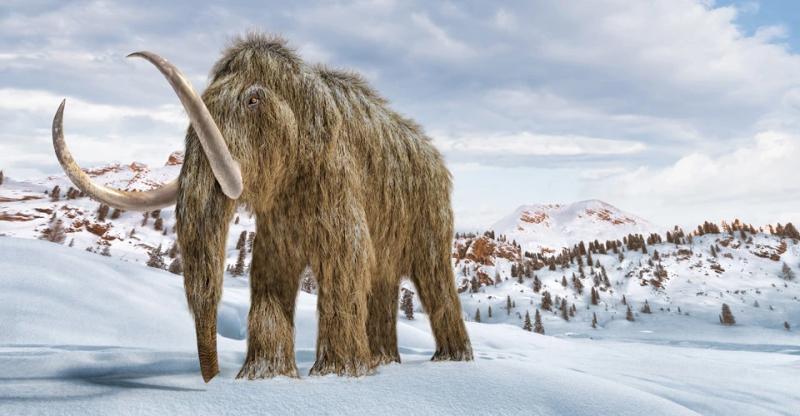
337	181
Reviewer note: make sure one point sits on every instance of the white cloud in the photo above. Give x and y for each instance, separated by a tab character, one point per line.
756	180
530	144
43	102
439	44
504	20
603	87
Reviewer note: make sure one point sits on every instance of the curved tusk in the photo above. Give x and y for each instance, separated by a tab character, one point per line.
161	197
225	168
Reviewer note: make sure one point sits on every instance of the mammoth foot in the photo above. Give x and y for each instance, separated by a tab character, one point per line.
385	358
350	368
261	368
453	354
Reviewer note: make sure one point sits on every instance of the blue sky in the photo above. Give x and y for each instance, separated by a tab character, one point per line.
676	110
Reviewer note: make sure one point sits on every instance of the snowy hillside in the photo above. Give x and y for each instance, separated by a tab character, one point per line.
679	285
84	334
555	225
29	208
743	271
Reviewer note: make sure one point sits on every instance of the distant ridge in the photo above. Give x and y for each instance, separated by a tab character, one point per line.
554	226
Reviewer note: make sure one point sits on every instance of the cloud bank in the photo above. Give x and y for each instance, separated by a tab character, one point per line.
542	101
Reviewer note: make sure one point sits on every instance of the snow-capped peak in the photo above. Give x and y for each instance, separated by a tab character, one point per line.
554	226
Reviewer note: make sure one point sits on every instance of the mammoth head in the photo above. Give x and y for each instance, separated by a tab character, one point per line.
225	168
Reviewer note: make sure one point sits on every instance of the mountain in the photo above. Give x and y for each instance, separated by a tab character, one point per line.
683	281
696	271
29	208
553	226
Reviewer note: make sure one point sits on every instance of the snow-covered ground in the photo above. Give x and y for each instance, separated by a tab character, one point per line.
83	334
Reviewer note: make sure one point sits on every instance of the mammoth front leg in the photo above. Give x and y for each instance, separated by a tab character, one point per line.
342	266
203	213
274	281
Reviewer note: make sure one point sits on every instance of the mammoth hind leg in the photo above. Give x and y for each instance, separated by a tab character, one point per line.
433	277
274	282
382	319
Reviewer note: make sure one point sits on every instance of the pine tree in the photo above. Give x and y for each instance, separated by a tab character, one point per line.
786	326
537	284
156	259
159	224
547	301
242	240
624	301
564	312
407	304
478	315
595	297
71	242
239	267
629	314
577	284
726	318
173	250
563	281
251	239
1	177
102	212
474	284
308	284
145	217
646	307
106	251
537	323
116	213
489	312
55	194
176	266
55	233
786	272
594	320
527	325
508	304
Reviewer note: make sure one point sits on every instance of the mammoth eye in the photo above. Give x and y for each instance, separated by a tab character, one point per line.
253	101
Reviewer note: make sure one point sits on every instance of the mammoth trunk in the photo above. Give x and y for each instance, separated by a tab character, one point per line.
203	214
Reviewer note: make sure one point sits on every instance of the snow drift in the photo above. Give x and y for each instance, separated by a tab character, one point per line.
83	334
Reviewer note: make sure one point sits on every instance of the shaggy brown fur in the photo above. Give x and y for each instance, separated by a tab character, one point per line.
337	181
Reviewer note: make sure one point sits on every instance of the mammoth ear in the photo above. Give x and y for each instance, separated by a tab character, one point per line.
321	120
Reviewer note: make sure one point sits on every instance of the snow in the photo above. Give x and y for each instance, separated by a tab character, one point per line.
29	197
554	226
83	334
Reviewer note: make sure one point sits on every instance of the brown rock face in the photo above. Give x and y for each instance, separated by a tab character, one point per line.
484	278
7	216
22	198
481	251
606	215
103	170
175	158
533	217
97	229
